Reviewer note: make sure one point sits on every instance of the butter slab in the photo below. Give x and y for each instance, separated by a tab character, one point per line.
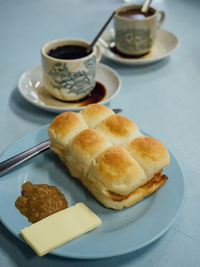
60	228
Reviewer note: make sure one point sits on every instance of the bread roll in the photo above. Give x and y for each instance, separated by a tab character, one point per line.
83	148
118	129
93	114
150	153
109	155
63	128
117	171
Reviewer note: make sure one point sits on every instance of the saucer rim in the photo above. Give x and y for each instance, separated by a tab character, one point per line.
140	61
55	109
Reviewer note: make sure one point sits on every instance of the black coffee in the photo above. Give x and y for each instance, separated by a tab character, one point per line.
68	52
135	14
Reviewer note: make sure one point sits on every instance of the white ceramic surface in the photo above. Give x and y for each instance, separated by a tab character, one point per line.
68	79
165	43
30	85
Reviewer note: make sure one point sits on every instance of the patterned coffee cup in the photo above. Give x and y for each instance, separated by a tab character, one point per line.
69	79
136	36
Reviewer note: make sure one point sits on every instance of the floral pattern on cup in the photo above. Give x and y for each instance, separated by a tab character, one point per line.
135	36
77	82
134	40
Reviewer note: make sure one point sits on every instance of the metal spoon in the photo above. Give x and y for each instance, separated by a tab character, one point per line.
145	6
99	34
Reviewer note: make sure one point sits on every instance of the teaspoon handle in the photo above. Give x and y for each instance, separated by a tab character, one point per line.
14	161
145	7
100	32
18	159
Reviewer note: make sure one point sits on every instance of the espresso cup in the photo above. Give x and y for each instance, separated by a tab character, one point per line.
68	71
135	32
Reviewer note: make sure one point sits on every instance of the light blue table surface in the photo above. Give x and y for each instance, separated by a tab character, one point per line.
162	98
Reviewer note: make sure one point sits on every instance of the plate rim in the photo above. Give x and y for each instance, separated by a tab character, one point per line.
54	109
141	61
105	254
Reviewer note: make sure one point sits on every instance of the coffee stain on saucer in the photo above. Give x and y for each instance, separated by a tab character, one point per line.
95	96
156	50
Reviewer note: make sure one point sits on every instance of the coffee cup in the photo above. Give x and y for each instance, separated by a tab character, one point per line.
135	31
68	70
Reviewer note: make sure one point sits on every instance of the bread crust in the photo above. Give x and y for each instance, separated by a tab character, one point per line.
93	114
150	153
117	171
63	128
118	202
109	155
118	129
82	149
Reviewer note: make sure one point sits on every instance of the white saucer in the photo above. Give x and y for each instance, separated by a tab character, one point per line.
165	43
31	88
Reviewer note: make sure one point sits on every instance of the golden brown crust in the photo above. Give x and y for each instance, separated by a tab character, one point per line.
118	129
83	148
93	114
156	182
117	171
118	202
63	128
150	153
89	141
64	123
114	161
150	187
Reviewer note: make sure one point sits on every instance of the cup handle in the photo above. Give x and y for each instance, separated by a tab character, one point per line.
161	19
98	54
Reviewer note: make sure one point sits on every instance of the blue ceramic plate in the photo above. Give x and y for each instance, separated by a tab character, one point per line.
121	231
